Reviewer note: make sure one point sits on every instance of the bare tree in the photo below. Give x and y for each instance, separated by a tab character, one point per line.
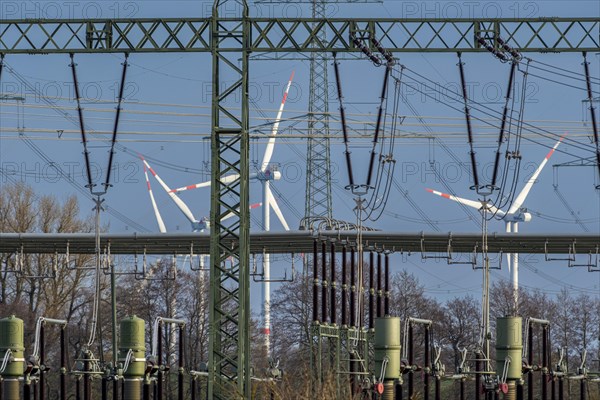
291	315
461	319
53	286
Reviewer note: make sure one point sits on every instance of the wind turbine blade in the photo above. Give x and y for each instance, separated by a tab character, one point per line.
276	209
159	220
251	207
189	187
225	179
271	144
180	204
523	195
471	203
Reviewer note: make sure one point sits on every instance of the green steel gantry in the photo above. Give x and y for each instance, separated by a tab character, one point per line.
230	40
151	35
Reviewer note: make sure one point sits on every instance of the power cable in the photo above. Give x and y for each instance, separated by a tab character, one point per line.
596	136
420	221
560	83
572	142
448	188
566	204
41	154
514	154
123	218
561	69
561	220
86	152
387	163
491	112
75	122
415	206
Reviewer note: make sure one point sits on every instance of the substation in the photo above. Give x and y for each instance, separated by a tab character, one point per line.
355	339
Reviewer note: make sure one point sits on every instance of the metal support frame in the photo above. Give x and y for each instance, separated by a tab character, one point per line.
371	290
151	35
333	286
344	351
339	349
294	242
478	367
324	283
38	361
410	366
344	299
229	346
157	354
546	360
379	307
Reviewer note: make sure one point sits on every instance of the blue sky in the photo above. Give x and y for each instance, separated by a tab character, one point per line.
169	95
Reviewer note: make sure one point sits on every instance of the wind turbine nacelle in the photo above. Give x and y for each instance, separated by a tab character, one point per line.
520	217
275	175
200	226
269	175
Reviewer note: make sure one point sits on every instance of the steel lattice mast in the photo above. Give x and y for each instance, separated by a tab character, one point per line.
229	319
318	164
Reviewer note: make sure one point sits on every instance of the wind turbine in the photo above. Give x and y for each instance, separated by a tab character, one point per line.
198	225
264	175
516	213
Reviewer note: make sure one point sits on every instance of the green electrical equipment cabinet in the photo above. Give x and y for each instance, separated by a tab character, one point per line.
132	335
11	346
388	344
509	344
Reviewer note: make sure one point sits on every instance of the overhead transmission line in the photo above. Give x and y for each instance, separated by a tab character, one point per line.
582	76
549	135
75	122
505	53
379	189
68	178
491	110
458	161
269	120
561	83
527	127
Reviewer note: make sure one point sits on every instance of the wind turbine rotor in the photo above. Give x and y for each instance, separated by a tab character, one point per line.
180	204
161	224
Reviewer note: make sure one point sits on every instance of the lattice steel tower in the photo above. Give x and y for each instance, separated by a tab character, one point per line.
318	165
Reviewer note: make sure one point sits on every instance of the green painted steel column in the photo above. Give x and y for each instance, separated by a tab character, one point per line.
132	337
12	340
229	319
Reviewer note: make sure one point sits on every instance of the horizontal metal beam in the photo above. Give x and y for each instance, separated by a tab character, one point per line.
301	242
268	35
